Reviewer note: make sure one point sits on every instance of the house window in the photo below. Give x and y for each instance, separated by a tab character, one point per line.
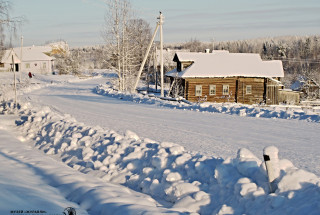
225	90
44	65
212	90
249	89
198	90
27	65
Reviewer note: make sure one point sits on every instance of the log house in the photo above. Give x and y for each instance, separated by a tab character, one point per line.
221	76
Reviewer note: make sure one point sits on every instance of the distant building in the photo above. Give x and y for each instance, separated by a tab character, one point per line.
309	89
168	55
8	57
226	77
35	60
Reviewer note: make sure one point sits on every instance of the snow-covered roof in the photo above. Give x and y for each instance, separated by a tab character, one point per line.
168	55
7	57
225	64
33	53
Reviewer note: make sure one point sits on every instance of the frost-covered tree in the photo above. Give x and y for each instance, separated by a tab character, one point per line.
194	45
300	55
7	23
126	40
69	63
140	32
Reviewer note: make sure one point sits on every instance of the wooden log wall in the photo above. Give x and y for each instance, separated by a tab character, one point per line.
272	92
237	90
257	90
205	82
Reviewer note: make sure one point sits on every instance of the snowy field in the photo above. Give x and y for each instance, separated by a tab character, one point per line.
171	157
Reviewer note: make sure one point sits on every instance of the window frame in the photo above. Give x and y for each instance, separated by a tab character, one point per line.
248	92
212	87
198	87
225	89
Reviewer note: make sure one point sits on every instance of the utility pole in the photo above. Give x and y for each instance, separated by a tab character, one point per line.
14	81
155	65
161	53
212	44
21	57
159	24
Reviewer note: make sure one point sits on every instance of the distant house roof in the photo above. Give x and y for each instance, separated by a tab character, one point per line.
33	54
302	83
7	57
225	64
168	55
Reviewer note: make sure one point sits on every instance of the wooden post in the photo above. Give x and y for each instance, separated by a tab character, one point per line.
270	172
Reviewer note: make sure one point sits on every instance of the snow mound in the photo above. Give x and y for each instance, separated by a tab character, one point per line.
185	181
276	111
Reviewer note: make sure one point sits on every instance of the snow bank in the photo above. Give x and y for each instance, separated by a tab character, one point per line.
182	180
276	111
47	186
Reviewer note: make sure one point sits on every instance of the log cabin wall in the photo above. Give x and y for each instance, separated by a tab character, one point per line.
190	89
241	90
272	92
251	90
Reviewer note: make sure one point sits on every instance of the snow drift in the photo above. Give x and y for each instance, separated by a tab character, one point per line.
181	180
280	112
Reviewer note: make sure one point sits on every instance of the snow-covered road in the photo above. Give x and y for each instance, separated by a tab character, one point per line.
209	133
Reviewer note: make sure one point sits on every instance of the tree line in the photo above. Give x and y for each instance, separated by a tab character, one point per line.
126	38
300	55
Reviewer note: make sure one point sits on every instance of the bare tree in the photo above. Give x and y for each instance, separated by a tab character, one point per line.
125	38
141	36
7	23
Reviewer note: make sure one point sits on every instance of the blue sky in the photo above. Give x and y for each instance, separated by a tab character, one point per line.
80	22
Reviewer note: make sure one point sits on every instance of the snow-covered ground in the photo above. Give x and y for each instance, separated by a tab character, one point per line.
33	183
187	161
203	130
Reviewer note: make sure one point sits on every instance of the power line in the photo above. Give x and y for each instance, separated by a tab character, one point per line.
295	60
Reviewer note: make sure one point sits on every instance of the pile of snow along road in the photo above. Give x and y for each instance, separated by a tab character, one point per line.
276	111
180	180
